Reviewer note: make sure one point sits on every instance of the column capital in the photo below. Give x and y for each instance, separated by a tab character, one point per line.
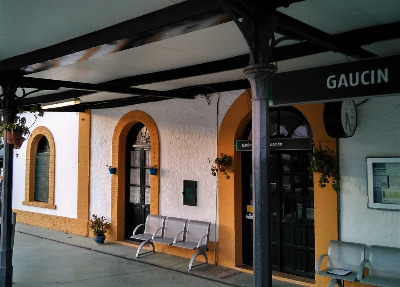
267	69
259	76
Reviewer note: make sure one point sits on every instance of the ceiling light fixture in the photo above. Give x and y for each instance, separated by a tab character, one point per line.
69	102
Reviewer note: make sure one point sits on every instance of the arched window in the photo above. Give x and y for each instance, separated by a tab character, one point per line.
40	165
42	171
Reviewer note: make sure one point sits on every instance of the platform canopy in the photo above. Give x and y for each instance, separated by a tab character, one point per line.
118	53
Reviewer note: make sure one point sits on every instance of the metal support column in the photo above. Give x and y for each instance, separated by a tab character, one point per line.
256	25
6	267
259	76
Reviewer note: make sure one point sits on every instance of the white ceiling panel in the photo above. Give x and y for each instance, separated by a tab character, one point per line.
337	16
27	25
214	43
385	48
317	60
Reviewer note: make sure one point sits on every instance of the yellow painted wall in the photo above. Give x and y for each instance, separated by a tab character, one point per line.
121	130
65	224
229	190
325	199
229	251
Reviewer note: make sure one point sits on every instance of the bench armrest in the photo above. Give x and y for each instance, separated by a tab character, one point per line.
137	227
155	233
176	237
318	265
360	274
201	240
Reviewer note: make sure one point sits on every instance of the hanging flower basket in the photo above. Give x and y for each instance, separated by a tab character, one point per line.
17	130
324	163
15	138
223	164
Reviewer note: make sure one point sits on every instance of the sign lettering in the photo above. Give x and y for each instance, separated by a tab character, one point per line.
358	79
278	144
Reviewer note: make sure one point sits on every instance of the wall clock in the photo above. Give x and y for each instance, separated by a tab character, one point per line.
340	119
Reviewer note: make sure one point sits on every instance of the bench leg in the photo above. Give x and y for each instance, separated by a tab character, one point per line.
143	244
334	281
199	252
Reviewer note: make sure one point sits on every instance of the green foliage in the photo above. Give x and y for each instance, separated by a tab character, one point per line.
99	225
324	162
223	164
19	125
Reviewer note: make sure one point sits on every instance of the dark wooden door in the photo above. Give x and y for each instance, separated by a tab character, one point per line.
291	200
247	205
292	214
137	197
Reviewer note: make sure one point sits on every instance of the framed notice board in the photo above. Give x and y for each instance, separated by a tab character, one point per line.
384	183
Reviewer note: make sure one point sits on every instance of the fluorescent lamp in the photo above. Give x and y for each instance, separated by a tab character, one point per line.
60	104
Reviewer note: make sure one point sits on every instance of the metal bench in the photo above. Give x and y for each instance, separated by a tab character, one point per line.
196	237
153	228
343	257
384	267
179	232
171	230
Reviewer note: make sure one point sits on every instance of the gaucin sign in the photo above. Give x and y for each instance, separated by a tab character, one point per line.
358	79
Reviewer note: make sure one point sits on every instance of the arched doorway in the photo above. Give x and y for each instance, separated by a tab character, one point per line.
137	194
118	180
291	194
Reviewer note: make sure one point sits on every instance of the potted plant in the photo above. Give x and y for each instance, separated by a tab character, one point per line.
324	162
17	130
112	169
223	164
153	170
99	226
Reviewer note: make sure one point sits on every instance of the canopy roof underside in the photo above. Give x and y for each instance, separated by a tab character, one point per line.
110	54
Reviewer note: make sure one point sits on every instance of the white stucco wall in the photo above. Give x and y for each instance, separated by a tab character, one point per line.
377	135
188	144
64	128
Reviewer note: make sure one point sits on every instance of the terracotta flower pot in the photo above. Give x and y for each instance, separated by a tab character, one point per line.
15	139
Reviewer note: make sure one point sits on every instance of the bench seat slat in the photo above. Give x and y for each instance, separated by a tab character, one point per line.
173	227
187	245
342	255
384	266
382	281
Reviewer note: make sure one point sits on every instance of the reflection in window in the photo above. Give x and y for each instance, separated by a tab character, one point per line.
42	171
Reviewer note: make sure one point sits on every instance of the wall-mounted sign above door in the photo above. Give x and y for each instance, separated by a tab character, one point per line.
278	144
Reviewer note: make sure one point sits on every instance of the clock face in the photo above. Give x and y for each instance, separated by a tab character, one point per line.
349	117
